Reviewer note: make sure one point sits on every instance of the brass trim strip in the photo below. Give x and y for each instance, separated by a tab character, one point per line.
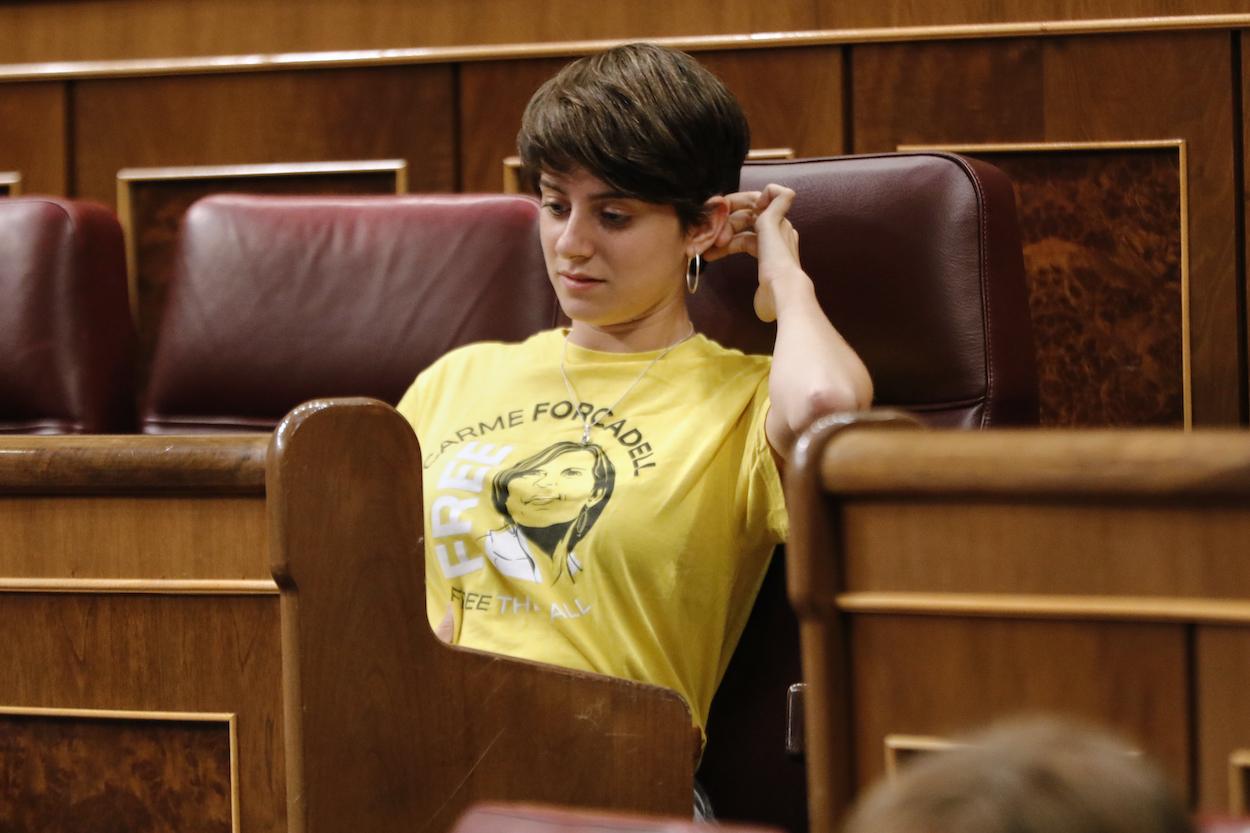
558	49
1187	385
1138	608
160	587
512	165
1238	780
261	170
229	718
894	744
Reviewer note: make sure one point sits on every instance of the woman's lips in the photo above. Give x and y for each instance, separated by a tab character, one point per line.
576	280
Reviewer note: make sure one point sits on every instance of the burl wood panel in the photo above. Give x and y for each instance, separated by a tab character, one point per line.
157	653
157	208
33	135
1119	88
943	676
1101	231
311	116
804	114
1222	676
63	775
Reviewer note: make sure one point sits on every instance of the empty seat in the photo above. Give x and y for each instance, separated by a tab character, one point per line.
66	338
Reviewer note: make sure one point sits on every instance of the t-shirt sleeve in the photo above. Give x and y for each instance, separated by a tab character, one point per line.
765	498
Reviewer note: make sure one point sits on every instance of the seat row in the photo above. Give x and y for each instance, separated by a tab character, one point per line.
278	300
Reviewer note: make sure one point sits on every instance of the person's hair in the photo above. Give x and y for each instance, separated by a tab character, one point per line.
602	469
649	121
1033	776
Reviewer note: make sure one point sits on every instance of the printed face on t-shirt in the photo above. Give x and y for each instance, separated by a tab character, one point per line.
553	493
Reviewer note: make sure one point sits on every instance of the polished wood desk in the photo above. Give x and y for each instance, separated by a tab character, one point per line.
229	633
944	579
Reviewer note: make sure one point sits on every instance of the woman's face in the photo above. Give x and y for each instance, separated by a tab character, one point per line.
612	259
553	493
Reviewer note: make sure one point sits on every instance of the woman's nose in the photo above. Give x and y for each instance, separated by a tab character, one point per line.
574	241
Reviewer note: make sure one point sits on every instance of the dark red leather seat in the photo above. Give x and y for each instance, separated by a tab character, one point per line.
278	300
66	338
917	260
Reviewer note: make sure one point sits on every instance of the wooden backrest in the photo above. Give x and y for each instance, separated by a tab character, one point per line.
234	627
943	579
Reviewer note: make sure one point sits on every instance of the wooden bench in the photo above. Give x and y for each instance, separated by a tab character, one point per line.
229	633
943	579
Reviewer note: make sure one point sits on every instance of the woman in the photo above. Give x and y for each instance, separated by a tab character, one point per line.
635	154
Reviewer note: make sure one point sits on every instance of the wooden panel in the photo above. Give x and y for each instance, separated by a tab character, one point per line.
833	14
120	774
155	202
1046	548
1108	88
378	113
1222	677
126	537
926	676
804	115
1245	230
87	29
1102	234
493	96
33	136
160	653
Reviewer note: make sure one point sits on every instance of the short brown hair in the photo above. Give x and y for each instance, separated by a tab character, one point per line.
1034	776
650	122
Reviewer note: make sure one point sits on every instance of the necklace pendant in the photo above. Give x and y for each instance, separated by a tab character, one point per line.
586	434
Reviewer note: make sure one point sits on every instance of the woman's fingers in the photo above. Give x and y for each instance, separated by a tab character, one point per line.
775	200
741	242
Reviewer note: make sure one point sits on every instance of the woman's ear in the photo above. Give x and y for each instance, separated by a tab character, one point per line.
702	235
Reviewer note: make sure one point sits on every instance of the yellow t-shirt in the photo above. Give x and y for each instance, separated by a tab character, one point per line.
637	555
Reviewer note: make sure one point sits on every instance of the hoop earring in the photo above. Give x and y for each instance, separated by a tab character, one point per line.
692	275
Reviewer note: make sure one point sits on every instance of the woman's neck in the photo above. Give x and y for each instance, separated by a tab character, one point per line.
645	334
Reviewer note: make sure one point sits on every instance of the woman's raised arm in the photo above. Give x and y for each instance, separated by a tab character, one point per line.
814	370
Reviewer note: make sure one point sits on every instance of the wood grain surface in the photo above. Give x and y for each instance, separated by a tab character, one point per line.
926	676
804	114
97	465
1102	237
154	653
1083	89
472	725
66	773
86	29
379	113
1222	672
33	136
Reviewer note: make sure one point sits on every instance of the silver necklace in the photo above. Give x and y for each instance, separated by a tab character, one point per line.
589	423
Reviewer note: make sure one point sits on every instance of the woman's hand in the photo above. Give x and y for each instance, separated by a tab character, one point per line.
757	225
814	370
